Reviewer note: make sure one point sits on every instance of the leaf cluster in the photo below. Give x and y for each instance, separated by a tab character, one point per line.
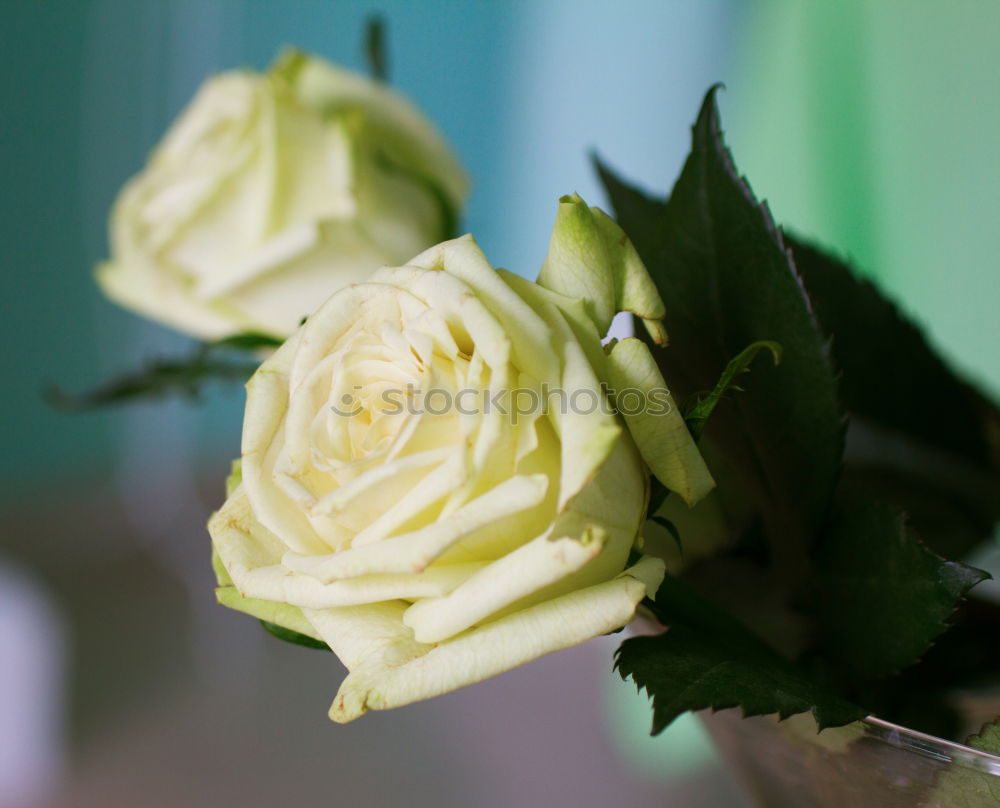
855	476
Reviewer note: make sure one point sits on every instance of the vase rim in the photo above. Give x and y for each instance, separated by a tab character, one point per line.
930	745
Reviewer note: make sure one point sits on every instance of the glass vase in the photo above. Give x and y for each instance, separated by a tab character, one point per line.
869	763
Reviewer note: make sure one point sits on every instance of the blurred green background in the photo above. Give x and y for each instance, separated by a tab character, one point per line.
868	126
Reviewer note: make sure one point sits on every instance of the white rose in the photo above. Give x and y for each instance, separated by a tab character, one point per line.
270	192
430	551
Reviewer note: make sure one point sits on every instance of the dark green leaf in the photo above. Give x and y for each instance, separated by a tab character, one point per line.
891	375
375	48
641	211
960	660
921	438
657	496
699	411
247	341
708	659
158	379
951	515
881	596
727	282
671	528
288	635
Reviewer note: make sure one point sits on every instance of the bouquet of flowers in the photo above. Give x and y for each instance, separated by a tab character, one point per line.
448	470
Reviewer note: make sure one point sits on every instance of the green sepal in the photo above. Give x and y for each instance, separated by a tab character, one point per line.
293	637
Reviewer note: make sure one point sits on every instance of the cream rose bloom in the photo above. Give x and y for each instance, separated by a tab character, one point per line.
270	192
432	546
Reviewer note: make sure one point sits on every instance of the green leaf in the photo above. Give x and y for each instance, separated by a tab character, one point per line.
658	493
159	379
880	596
671	528
728	281
891	375
698	412
247	341
708	659
987	740
960	660
921	437
288	635
950	515
962	786
376	51
164	377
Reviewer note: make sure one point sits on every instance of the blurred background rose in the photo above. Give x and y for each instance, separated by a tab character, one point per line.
871	127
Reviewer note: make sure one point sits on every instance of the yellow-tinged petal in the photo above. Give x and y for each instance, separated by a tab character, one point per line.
281	614
371	634
574	310
379	682
526	331
413	139
517	575
399	471
655	421
427	493
240	542
580	413
277	584
248	556
415	551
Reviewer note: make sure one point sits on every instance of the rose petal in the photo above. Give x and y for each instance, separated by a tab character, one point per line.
397	670
662	436
527	569
413	552
276	583
590	257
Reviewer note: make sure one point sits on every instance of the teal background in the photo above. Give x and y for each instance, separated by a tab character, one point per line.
870	126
